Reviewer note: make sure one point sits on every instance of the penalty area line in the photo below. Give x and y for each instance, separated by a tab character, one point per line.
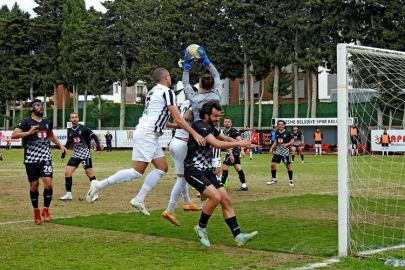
318	265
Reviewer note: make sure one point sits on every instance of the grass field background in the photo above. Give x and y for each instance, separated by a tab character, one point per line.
297	225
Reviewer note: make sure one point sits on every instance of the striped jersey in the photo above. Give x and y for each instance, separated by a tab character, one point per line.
181	133
156	114
216	152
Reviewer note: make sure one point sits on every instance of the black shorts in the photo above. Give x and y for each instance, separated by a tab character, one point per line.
277	159
38	170
385	144
200	180
296	145
318	142
227	160
354	145
74	162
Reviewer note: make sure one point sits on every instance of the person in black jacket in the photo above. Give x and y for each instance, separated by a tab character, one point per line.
79	137
108	139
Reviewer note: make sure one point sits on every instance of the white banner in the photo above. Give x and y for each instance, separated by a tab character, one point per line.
125	138
101	136
311	121
397	140
121	138
61	135
7	138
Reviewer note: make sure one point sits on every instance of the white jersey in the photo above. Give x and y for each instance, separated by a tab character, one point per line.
181	133
155	114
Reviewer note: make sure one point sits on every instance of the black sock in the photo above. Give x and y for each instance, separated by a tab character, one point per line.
92	178
47	197
302	157
68	184
273	173
34	198
224	176
290	174
293	157
203	220
233	225
242	176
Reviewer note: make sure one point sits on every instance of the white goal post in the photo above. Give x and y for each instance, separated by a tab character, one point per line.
371	188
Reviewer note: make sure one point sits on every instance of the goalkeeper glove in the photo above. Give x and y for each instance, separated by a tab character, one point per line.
204	57
187	60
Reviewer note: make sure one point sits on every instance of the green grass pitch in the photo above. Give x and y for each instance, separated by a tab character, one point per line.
297	225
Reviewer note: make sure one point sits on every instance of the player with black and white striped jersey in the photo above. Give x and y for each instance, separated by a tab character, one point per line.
160	103
281	151
216	157
178	152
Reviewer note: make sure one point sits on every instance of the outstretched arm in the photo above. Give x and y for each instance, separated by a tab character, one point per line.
188	89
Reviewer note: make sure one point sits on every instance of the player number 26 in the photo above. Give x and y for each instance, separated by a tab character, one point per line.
47	169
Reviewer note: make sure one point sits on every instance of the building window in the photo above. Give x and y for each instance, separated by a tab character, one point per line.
140	90
256	89
116	88
241	90
301	89
129	90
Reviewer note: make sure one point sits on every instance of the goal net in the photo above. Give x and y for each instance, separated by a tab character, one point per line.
371	89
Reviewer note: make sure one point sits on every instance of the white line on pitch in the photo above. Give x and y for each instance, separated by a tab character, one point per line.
317	265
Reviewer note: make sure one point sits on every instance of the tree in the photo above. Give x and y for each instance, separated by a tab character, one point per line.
97	72
15	48
73	53
48	33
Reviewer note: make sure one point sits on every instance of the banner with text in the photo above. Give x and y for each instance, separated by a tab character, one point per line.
397	140
311	121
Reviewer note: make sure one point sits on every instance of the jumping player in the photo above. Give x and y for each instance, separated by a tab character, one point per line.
199	173
79	137
318	137
178	152
36	134
211	87
297	145
160	104
233	156
281	150
385	142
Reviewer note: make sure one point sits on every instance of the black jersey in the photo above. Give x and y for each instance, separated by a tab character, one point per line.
297	138
36	146
200	157
233	133
80	138
283	138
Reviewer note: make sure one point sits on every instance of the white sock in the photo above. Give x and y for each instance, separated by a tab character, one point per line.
244	185
251	154
185	194
120	177
175	195
150	181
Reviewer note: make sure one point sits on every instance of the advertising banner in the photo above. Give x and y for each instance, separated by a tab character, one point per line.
311	121
101	136
397	140
7	138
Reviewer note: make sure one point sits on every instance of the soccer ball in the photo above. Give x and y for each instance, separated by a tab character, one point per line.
194	51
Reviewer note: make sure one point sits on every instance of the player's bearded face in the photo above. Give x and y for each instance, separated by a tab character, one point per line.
38	110
74	119
214	117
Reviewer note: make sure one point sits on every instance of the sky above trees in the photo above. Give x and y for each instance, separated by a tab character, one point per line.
28	5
